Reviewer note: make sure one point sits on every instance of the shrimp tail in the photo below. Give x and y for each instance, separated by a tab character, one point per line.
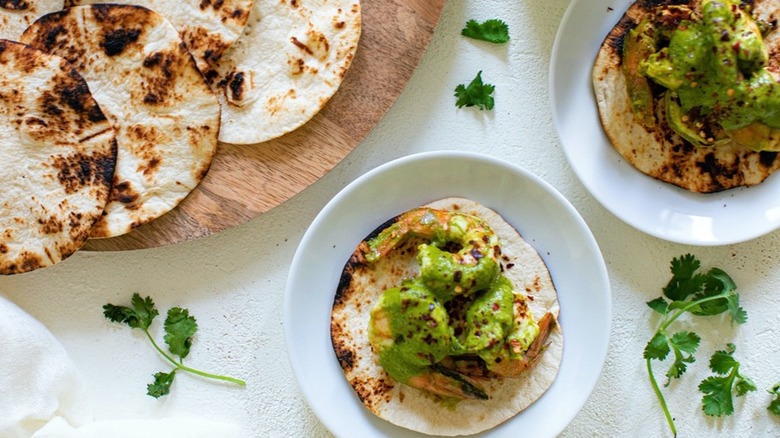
539	344
514	367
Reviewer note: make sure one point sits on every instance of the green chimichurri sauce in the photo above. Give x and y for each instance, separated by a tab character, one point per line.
713	65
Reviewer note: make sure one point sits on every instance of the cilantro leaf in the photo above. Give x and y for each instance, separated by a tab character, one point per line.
744	385
718	400
737	313
659	305
677	305
682	342
161	385
722	361
476	94
716	282
140	315
701	294
684	281
686	341
179	329
678	367
774	405
685	266
722	277
493	31
658	347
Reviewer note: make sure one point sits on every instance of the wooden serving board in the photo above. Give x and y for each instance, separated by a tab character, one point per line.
245	181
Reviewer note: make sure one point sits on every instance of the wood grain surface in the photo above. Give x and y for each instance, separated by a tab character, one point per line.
245	181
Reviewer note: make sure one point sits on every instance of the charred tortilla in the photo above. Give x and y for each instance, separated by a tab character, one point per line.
659	152
147	83
207	27
16	15
59	152
290	60
361	286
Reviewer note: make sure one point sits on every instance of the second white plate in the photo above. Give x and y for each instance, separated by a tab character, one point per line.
654	207
542	216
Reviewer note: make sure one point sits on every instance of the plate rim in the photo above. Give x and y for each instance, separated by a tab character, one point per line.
328	210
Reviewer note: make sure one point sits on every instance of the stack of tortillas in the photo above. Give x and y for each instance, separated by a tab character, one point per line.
166	81
272	63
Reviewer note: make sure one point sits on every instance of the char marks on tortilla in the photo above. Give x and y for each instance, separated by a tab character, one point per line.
207	27
362	284
147	83
660	152
59	153
16	15
291	59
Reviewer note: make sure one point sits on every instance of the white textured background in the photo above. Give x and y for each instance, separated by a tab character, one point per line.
234	282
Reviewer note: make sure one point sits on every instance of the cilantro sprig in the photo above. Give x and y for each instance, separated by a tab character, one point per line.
493	31
718	389
697	293
179	328
774	405
477	94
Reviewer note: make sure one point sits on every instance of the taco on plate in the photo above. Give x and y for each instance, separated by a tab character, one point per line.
687	91
445	320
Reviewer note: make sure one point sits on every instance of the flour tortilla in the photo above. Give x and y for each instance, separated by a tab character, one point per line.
145	80
16	15
291	59
207	27
58	154
361	286
661	153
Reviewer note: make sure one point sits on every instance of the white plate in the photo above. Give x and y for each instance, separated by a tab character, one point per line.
544	218
654	207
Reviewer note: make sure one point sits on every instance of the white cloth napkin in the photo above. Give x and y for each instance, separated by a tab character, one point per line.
42	394
38	381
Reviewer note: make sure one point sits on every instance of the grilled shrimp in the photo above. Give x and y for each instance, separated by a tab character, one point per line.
462	255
